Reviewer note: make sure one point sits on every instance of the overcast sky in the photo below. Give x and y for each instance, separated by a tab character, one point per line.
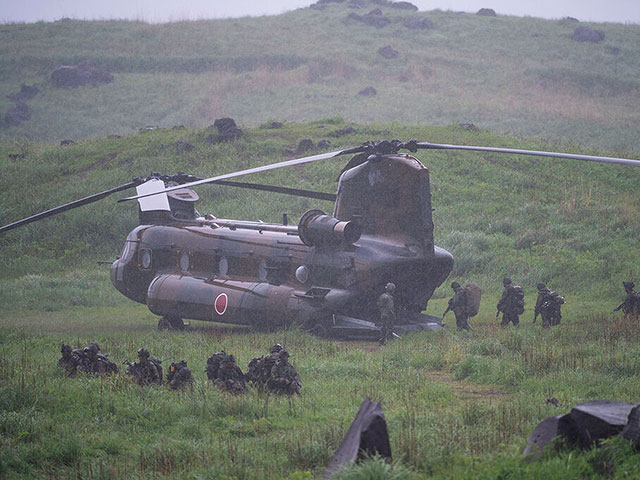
625	11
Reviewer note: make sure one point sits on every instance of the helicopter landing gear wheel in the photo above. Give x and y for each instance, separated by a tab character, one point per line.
170	323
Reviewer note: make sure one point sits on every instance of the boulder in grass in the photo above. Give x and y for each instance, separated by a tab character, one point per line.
404	6
368	92
367	436
486	12
423	23
79	75
631	431
586	34
388	52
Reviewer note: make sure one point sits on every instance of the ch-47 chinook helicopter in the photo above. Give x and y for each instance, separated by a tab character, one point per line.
324	274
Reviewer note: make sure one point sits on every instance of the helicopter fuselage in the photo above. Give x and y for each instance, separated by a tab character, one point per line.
271	275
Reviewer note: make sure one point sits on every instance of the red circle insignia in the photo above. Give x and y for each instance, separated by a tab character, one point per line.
221	303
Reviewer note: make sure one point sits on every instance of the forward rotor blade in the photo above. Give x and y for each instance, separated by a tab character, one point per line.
591	158
287	191
264	168
67	206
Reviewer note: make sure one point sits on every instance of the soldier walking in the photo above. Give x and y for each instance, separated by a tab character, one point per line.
460	304
548	306
511	303
387	311
631	304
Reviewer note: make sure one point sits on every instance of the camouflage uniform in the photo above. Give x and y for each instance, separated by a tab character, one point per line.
230	377
213	365
631	304
179	376
387	311
284	377
259	368
145	371
69	361
511	304
459	303
95	363
541	307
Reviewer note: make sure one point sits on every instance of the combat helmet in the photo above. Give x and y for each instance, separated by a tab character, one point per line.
143	352
506	281
92	348
541	286
390	287
455	285
65	348
276	348
284	354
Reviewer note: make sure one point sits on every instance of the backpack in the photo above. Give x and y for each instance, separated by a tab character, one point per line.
516	300
473	293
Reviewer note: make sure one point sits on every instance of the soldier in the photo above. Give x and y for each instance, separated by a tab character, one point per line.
511	303
145	371
69	361
541	307
387	311
230	377
459	303
259	368
631	304
284	377
213	365
179	376
96	363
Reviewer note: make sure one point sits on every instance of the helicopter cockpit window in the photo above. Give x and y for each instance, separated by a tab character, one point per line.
144	258
127	251
302	274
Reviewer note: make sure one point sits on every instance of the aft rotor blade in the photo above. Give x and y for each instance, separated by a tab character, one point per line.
264	168
591	158
287	191
68	206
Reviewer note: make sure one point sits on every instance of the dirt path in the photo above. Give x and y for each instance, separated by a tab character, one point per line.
468	391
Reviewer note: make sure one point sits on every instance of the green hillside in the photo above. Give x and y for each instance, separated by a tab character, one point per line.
521	75
571	223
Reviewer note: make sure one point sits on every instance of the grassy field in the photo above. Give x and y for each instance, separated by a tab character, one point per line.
458	405
507	74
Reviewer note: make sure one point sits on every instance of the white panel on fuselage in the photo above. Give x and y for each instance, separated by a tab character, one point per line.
154	202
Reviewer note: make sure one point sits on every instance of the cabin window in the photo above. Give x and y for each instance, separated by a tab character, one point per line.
302	274
184	261
223	266
262	270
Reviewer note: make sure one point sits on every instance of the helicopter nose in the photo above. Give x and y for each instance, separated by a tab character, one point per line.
117	274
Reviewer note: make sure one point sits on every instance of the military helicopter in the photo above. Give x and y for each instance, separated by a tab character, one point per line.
324	274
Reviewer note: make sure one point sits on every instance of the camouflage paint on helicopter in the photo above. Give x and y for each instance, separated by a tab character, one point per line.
273	275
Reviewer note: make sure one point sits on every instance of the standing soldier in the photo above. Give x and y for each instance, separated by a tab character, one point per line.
284	377
542	306
145	371
511	303
631	304
460	304
69	361
387	311
230	377
179	376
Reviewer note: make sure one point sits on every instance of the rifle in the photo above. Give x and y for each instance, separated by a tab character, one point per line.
446	311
